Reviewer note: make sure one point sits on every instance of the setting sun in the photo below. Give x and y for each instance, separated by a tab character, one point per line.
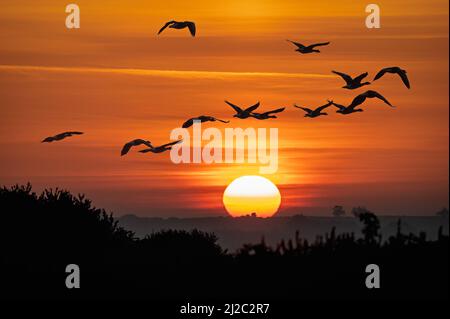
251	194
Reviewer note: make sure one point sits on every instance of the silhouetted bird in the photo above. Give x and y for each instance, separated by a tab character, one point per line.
60	136
315	113
309	48
353	83
358	101
346	109
126	148
243	114
160	149
267	115
202	118
369	95
395	70
180	25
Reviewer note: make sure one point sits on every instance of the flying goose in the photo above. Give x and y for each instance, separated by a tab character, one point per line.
346	109
60	136
243	114
369	95
267	115
160	149
180	25
397	70
126	148
358	101
202	118
307	49
353	83
317	112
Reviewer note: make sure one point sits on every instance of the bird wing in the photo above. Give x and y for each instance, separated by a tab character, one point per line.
147	143
304	108
404	78
381	73
358	100
339	106
252	108
359	78
323	107
381	97
188	123
312	46
126	148
347	78
235	107
170	144
275	111
73	133
192	28
223	121
62	135
165	26
47	139
301	46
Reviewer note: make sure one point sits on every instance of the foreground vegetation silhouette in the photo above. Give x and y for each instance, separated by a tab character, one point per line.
41	234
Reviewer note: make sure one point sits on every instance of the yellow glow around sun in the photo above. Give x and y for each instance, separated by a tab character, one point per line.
251	194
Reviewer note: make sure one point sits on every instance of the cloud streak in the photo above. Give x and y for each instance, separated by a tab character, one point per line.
160	73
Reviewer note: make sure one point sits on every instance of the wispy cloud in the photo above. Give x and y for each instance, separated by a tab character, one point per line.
160	73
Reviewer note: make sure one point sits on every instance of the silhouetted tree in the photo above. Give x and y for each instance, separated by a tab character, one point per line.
338	211
356	211
371	229
443	212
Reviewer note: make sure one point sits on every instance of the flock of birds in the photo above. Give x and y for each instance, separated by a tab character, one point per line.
352	83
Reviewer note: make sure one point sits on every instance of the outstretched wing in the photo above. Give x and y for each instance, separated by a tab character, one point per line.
347	78
312	46
192	28
303	108
147	143
165	26
339	106
48	139
323	107
299	45
275	111
381	73
381	97
73	133
404	78
60	136
188	123
170	144
235	107
126	148
252	108
359	78
223	121
146	150
358	100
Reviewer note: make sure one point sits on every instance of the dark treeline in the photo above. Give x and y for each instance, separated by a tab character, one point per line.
42	233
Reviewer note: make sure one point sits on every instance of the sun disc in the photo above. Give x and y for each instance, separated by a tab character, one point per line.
251	194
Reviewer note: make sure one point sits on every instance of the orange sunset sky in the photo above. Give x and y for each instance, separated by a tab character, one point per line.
116	80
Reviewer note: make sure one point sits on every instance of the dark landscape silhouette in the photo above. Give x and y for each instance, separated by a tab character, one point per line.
233	232
43	233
